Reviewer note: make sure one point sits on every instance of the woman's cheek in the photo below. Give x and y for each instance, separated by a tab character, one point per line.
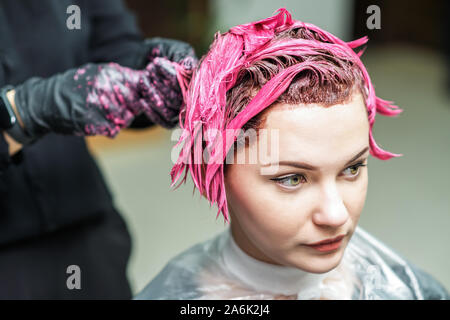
357	198
263	211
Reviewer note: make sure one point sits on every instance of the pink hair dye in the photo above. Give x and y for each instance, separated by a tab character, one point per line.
205	113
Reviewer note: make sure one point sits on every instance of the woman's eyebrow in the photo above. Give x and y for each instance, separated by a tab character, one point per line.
307	166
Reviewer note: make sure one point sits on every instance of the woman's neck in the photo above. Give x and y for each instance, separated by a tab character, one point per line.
262	275
247	246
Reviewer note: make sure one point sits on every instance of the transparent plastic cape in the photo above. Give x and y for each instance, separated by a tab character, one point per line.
368	270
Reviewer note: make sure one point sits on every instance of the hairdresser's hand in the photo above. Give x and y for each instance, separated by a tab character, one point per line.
162	90
94	99
173	50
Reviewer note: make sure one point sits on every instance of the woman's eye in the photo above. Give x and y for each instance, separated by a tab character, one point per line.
294	180
354	169
289	181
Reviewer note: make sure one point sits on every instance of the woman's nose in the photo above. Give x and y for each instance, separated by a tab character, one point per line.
331	210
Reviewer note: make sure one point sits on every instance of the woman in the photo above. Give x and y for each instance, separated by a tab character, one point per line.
304	97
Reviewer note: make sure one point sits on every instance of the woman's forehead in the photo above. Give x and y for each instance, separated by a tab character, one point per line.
317	131
317	119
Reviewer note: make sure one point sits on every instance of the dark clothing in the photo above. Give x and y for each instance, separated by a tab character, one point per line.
55	208
37	267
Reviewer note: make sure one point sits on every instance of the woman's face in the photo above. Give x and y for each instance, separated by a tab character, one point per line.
275	216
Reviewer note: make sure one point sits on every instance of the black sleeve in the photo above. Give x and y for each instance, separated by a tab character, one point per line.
116	38
4	153
114	35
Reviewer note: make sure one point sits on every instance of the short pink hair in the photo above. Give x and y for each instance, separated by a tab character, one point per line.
205	112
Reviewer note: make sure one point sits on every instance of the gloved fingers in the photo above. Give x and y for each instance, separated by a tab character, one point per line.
162	116
111	100
174	50
161	66
180	51
189	63
162	78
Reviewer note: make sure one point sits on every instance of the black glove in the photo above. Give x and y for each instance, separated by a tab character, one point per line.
176	51
173	50
103	98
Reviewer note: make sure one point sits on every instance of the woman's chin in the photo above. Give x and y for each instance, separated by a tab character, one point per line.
319	263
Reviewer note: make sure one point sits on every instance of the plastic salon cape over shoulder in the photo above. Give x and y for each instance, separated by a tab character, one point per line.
219	269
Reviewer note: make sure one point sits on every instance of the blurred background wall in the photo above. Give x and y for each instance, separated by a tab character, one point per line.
408	204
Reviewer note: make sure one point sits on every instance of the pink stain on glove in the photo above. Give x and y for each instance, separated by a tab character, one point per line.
116	94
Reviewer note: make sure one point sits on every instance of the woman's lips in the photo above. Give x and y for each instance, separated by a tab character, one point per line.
328	244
